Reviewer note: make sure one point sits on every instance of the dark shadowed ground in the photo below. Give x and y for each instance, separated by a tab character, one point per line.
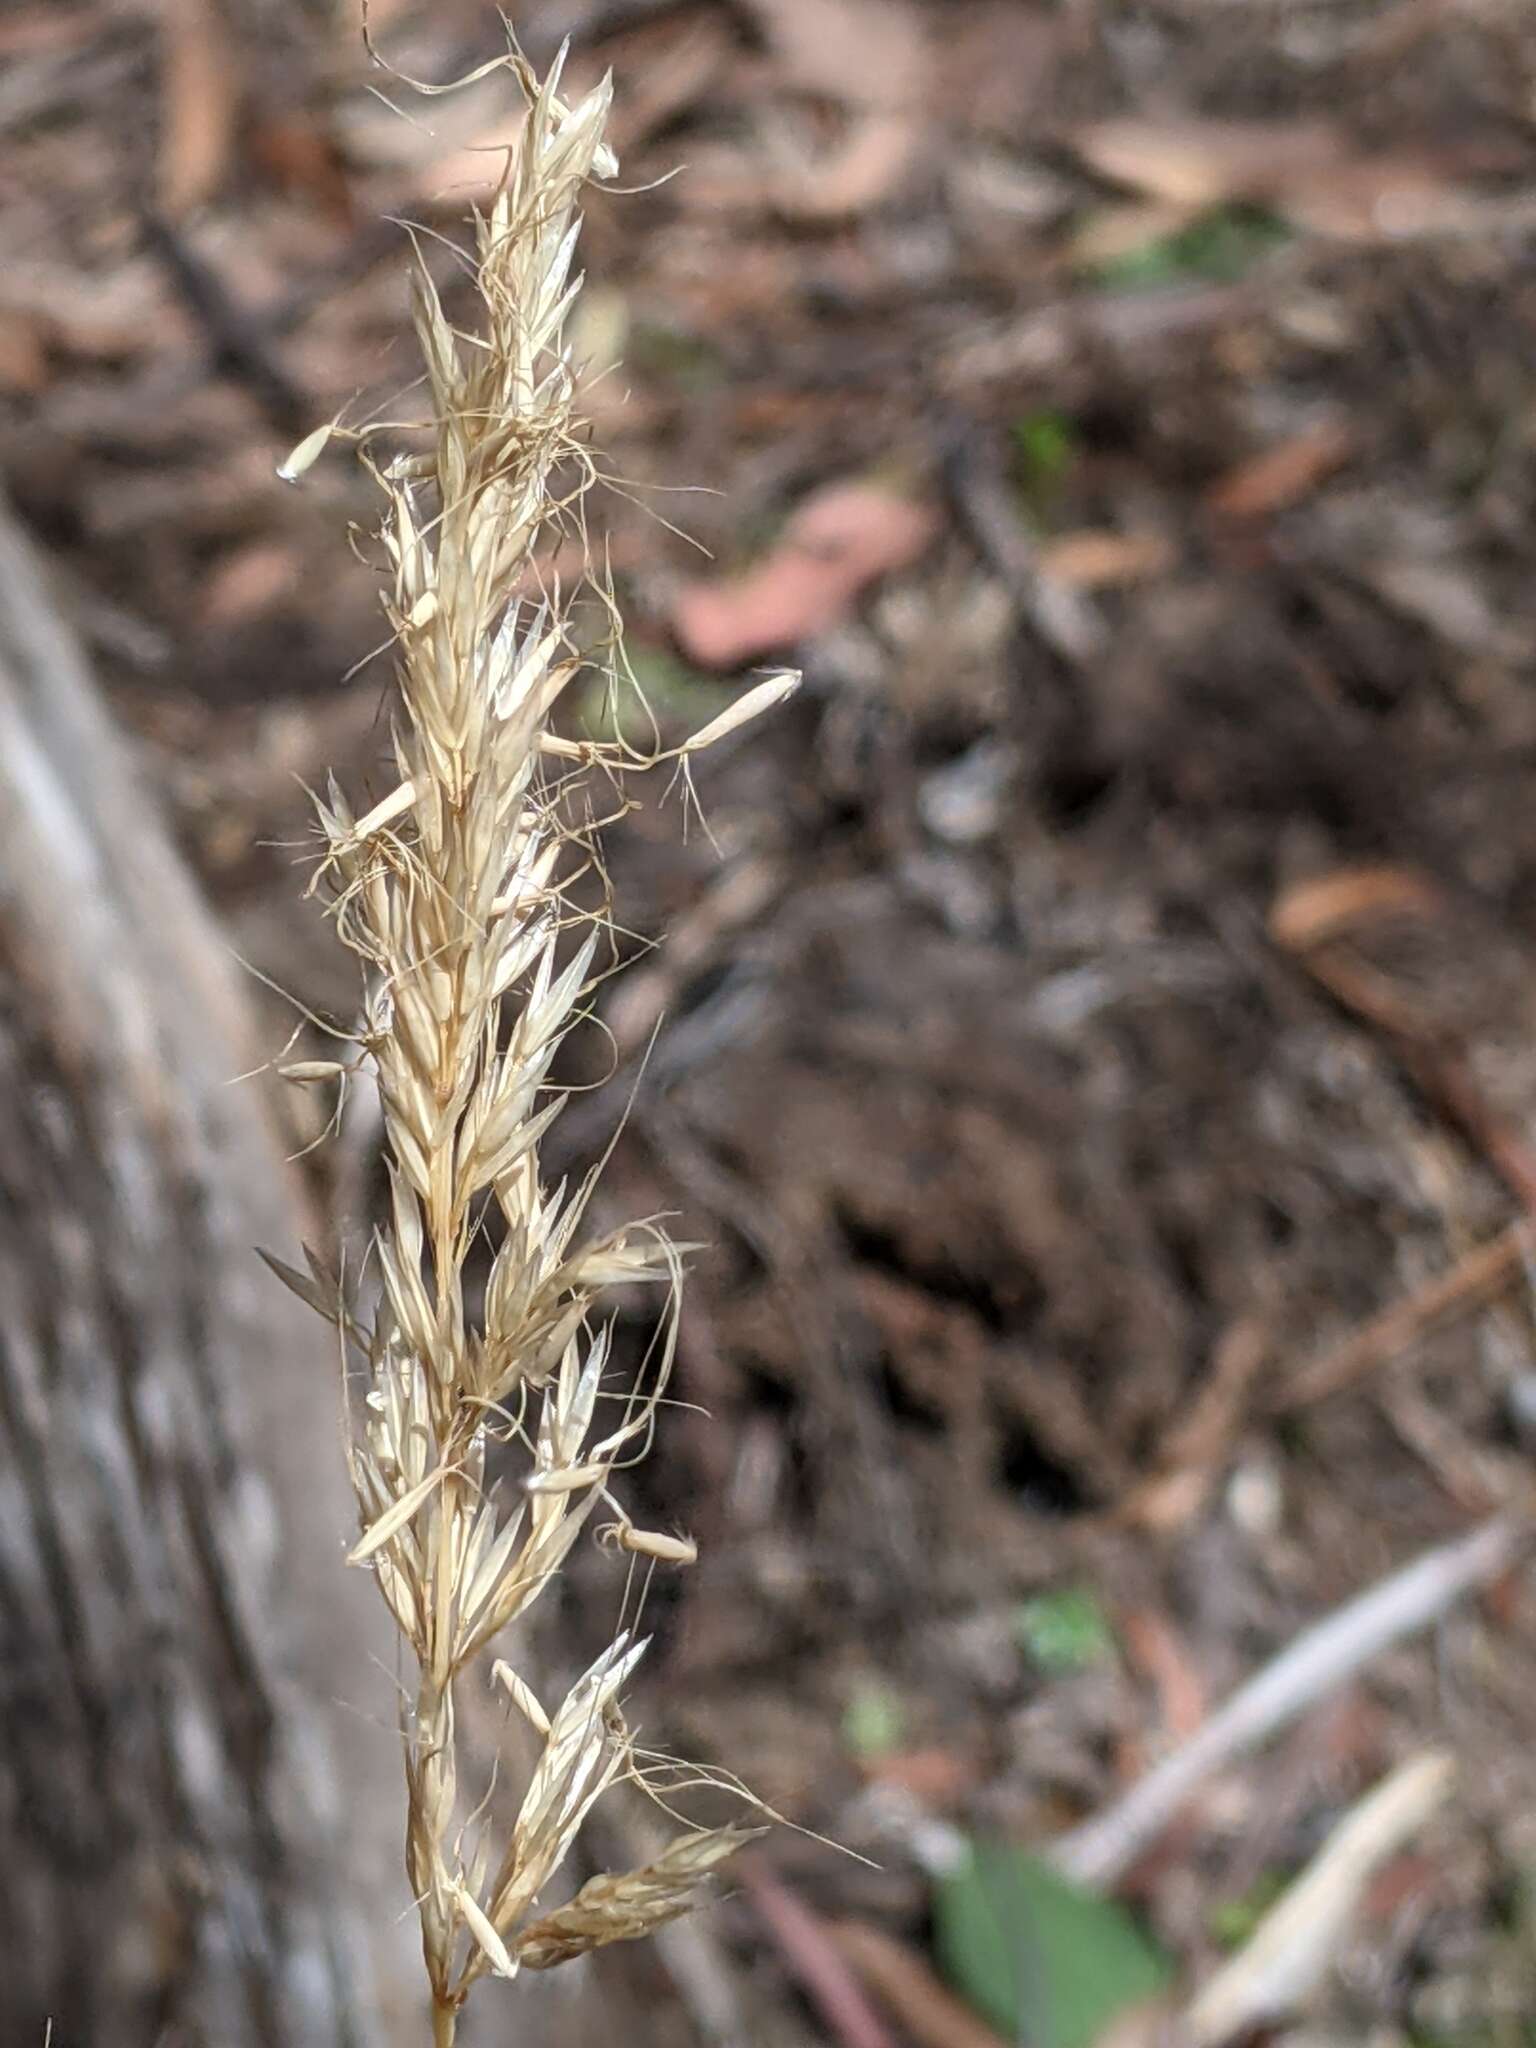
1107	985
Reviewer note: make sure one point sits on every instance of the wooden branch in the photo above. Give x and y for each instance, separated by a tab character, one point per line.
191	1853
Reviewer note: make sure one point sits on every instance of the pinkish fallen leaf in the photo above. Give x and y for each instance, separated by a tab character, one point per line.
855	176
866	56
23	352
1282	474
1306	170
1092	560
1191	162
837	543
1391	196
247	582
201	102
860	52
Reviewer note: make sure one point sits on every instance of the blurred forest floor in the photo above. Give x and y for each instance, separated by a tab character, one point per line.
1109	983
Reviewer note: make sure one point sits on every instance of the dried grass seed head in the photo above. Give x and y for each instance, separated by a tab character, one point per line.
466	892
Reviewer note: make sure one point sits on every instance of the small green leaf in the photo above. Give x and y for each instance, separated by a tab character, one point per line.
674	356
652	692
1232	1921
873	1722
1049	1965
1064	1631
1222	246
1045	447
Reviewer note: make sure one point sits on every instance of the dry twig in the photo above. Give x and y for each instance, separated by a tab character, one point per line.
1474	1280
1287	1954
1314	1664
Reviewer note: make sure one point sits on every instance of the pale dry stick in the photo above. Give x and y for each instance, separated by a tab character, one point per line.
459	893
1286	1955
1316	1663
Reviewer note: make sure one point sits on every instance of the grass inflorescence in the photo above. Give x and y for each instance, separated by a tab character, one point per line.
483	1446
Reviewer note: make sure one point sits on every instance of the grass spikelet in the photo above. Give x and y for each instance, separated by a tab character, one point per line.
477	1458
623	1908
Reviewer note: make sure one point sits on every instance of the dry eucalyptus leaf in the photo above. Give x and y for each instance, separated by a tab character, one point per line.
1094	560
1306	170
838	542
23	352
866	56
1198	163
1326	906
865	53
1284	473
200	99
1390	197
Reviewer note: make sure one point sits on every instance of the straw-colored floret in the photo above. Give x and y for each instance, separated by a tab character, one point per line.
623	1908
485	1444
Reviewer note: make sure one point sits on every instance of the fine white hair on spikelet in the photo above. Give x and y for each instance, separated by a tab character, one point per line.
457	893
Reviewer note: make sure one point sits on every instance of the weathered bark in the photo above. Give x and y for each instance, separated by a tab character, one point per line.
189	1855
